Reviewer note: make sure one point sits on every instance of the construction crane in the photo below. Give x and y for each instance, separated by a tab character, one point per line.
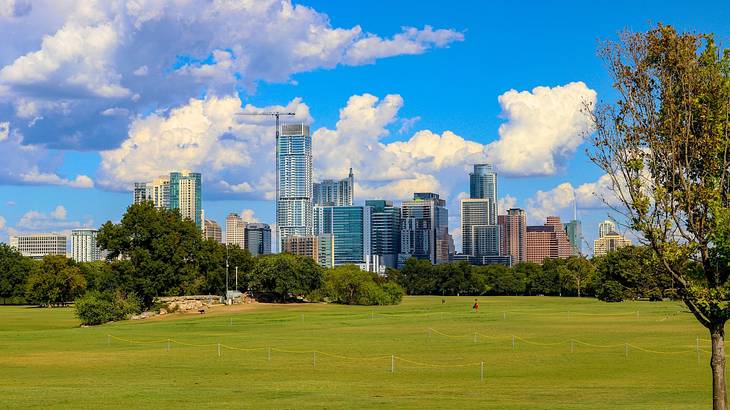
273	114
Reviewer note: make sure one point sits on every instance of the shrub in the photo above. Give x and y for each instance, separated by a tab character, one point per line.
611	291
95	308
655	295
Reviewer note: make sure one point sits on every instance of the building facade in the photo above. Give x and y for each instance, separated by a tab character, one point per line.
513	235
606	227
301	245
83	245
547	241
258	238
212	230
609	239
178	190
235	230
575	236
385	230
479	232
425	229
293	182
38	245
326	250
483	185
351	228
334	193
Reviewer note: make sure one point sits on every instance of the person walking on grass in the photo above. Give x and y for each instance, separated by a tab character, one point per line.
475	308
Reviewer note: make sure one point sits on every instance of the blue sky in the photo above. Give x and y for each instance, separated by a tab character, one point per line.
150	80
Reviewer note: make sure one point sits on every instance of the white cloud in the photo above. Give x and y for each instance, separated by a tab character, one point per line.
505	203
543	129
45	178
559	200
4	130
410	41
56	221
15	8
59	212
2	223
248	215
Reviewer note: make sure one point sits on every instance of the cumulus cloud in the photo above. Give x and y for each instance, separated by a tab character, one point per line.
132	55
46	178
505	203
2	223
248	215
559	200
543	128
55	220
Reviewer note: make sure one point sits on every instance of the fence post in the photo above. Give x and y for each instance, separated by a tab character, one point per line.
219	350
168	345
513	342
108	340
481	372
269	353
504	315
392	363
571	346
626	351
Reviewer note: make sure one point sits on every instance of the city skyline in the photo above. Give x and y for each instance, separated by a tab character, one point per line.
78	138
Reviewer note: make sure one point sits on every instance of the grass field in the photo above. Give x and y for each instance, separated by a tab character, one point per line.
47	360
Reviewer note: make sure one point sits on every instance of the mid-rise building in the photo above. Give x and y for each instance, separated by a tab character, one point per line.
178	190
575	236
547	241
38	245
479	233
212	230
334	193
350	226
301	245
293	182
425	228
513	235
385	230
235	230
83	245
606	227
326	250
609	242
258	238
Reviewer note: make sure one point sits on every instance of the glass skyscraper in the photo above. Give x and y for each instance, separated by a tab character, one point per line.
425	232
293	182
479	230
258	238
385	230
483	185
334	193
350	227
178	190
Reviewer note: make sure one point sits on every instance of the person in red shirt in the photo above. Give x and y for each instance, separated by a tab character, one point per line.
476	306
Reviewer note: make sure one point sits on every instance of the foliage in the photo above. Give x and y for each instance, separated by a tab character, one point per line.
611	291
57	280
351	286
284	276
95	308
14	270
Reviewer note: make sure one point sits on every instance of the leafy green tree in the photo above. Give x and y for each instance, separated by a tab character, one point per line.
162	248
546	281
664	143
503	280
350	285
285	275
418	277
527	270
580	274
58	280
14	271
99	276
95	308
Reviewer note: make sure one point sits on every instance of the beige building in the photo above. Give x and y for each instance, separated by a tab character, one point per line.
38	245
235	230
609	242
302	245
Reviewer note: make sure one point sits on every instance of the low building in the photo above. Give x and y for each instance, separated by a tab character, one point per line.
301	245
38	245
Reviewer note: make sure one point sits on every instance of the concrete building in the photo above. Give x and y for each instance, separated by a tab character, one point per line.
301	245
351	228
178	190
385	230
38	245
513	235
326	250
479	233
609	242
334	193
258	238
293	182
547	241
83	245
606	227
235	230
425	228
212	230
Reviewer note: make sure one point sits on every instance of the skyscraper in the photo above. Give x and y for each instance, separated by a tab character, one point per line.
235	230
513	231
83	245
483	185
385	229
609	239
547	241
334	193
178	190
575	236
293	182
479	233
350	226
425	233
258	238
212	230
606	227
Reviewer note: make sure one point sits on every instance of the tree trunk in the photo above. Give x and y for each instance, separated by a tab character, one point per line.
717	363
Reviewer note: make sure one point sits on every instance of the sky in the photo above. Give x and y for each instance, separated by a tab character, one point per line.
97	95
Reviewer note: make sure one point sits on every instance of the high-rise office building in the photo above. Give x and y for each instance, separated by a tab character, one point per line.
425	231
385	229
334	193
307	245
350	226
483	185
479	233
606	227
83	245
212	230
575	236
235	230
258	238
326	250
609	240
38	245
178	190
293	182
513	235
547	241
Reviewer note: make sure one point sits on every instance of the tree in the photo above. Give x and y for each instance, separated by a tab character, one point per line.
57	281
350	285
14	269
665	144
580	273
282	275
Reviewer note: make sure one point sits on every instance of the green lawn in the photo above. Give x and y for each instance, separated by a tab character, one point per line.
47	360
